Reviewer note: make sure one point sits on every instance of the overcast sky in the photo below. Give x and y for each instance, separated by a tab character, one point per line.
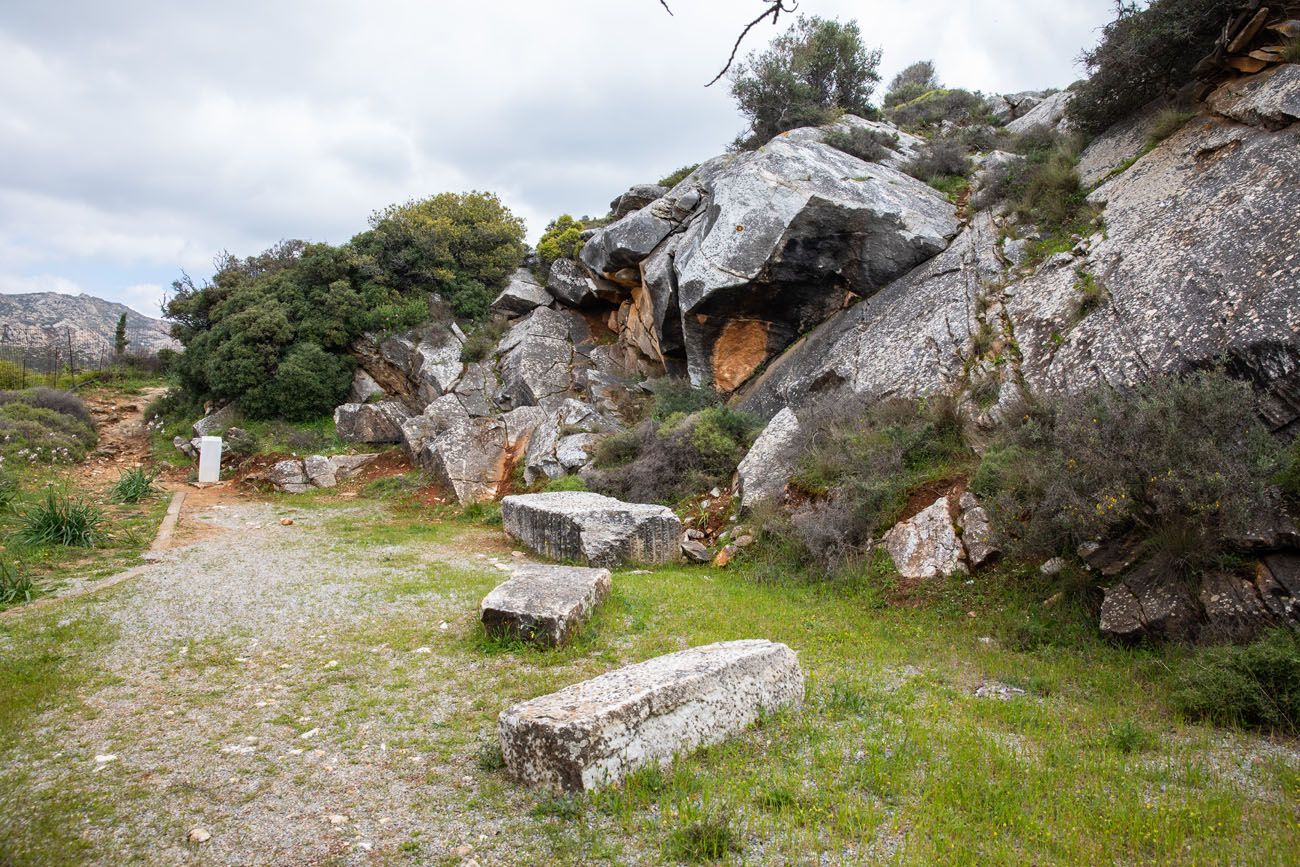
140	138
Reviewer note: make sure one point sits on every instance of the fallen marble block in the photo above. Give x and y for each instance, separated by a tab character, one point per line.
595	733
544	605
590	528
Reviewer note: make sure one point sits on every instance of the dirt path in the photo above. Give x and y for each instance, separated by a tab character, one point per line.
123	437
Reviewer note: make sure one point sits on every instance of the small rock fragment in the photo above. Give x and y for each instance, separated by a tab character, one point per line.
199	835
286	522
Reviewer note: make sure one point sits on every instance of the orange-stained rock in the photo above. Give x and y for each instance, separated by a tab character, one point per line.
740	349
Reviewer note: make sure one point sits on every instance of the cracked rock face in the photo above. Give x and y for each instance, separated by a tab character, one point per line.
595	733
927	545
1149	602
537	355
371	422
591	528
544	605
522	294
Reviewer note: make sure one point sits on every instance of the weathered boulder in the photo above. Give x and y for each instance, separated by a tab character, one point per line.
537	359
1277	578
371	422
767	466
568	419
544	605
976	532
472	457
320	471
364	387
1048	113
635	199
1195	267
786	232
347	466
522	294
625	243
216	421
289	476
478	389
593	734
1007	107
1122	143
568	282
695	551
187	447
436	418
911	339
1234	610
599	530
1270	100
1150	602
927	545
905	145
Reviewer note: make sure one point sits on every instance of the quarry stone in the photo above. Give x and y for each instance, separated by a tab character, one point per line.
544	605
522	294
591	528
595	733
371	422
927	546
767	466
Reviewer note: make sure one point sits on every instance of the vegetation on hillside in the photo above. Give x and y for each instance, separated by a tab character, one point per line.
1147	52
271	332
561	240
810	74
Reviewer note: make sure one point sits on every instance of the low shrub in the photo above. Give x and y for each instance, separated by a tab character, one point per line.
565	483
1181	463
9	489
1255	685
32	434
489	756
1130	736
561	240
1291	51
481	341
678	176
1145	53
668	461
709	838
1167	122
64	402
857	470
943	157
866	144
60	520
678	396
133	485
934	107
15	586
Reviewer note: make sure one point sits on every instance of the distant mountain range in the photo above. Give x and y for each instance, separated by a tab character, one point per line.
39	320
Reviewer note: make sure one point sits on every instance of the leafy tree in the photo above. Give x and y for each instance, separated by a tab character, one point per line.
1145	53
119	338
458	245
808	75
916	80
307	384
561	240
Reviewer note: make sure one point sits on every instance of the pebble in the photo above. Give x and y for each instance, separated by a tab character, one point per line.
336	819
199	835
286	522
105	758
309	734
518	555
462	851
423	650
443	625
333	663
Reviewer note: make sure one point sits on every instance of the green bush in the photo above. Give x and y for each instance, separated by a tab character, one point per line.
483	339
564	483
132	486
941	158
858	469
914	81
60	401
678	176
561	240
679	397
60	520
15	585
11	374
865	144
1256	685
666	462
1182	463
1145	53
308	383
814	71
934	107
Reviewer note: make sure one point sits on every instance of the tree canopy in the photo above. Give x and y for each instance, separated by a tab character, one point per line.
816	70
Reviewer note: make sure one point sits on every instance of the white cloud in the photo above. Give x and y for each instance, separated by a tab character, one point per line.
143	138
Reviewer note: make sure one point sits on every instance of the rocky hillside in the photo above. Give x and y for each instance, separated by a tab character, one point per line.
39	319
783	276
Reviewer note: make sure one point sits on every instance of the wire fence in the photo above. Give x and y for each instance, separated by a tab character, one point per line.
59	359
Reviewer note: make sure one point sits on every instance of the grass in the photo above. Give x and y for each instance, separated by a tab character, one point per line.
892	758
60	520
15	585
133	486
1291	51
1166	123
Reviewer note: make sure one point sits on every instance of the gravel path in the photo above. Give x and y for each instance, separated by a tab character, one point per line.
270	686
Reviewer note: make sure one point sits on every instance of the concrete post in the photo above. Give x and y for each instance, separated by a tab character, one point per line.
209	460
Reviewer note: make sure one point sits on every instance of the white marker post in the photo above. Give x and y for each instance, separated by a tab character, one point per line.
209	460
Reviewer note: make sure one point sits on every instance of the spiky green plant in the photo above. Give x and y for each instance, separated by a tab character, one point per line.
133	486
61	520
15	587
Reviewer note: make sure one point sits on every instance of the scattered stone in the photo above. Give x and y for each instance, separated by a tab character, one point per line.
544	605
286	522
723	557
105	758
998	690
1053	567
308	735
926	546
336	819
522	294
199	835
976	531
320	471
602	531
347	466
594	733
695	552
215	422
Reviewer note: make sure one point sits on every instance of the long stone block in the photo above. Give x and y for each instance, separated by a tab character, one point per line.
544	605
593	734
602	531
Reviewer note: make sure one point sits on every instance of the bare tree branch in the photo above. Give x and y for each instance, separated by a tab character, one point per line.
773	11
664	3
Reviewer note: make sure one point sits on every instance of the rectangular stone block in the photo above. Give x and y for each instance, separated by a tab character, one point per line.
544	605
595	733
210	460
590	528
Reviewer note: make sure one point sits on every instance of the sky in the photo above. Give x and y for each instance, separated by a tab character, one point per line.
140	139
